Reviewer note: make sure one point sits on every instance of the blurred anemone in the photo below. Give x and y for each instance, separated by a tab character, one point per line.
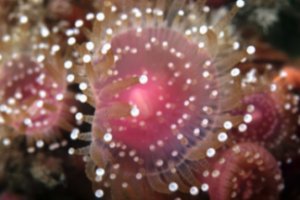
269	107
246	171
34	99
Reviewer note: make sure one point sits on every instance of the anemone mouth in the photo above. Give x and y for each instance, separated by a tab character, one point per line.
32	99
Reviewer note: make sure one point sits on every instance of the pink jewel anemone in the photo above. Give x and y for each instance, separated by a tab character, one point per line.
270	110
27	89
166	99
34	100
162	86
246	171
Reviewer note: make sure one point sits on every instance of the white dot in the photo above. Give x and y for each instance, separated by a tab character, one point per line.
71	41
71	151
222	137
159	163
210	152
124	17
89	16
206	9
242	128
204	187
100	172
75	133
124	185
79	23
81	97
40	103
236	45
90	46
41	58
240	3
79	116
173	187
205	74
228	125
194	191
250	50
138	176
30	149
99	193
143	79
235	72
273	87
201	45
83	86
250	108
56	145
6	38
23	19
283	74
180	12
107	137
135	111
59	97
215	173
42	93
112	176
6	142
248	118
196	131
106	47
70	78
100	16
68	64
40	143
27	122
221	34
203	29
44	32
87	58
109	31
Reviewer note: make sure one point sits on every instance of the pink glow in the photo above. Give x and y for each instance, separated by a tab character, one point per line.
170	100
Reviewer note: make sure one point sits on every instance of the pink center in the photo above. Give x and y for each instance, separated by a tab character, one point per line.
144	97
174	88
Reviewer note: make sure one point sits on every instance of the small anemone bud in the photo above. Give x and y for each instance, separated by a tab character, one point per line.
246	171
262	118
269	110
